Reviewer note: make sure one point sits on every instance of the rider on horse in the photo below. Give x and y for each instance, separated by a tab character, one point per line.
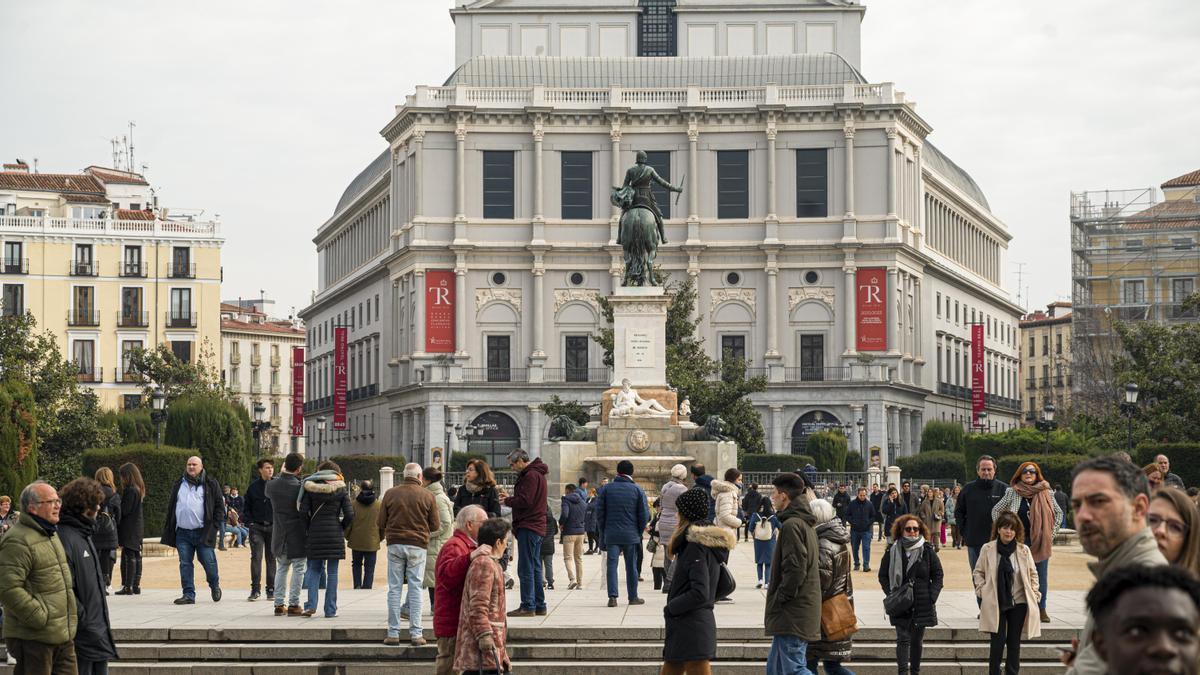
640	177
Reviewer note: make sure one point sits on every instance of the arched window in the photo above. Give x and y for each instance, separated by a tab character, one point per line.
501	435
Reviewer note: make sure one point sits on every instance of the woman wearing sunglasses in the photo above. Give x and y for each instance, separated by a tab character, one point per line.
1006	582
911	559
1175	522
1029	497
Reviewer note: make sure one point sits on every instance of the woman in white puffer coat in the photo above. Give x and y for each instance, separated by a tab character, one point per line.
728	495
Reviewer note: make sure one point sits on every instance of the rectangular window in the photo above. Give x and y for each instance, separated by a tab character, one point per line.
182	350
131	307
1135	245
181	307
575	358
498	187
14	258
131	401
127	348
83	353
1183	243
131	266
14	299
955	311
85	262
577	185
83	304
1181	289
812	180
733	184
1045	345
660	161
656	28
499	358
812	357
938	305
1134	292
733	348
1058	343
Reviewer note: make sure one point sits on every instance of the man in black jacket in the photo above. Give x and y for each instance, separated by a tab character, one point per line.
860	513
194	518
841	500
973	511
259	519
877	501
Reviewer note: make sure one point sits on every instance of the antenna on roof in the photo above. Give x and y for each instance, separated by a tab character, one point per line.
131	162
1020	276
35	162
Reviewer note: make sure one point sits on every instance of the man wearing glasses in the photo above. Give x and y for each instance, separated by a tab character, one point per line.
35	587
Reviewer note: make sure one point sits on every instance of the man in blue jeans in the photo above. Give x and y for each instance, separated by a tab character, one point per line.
860	513
194	518
528	504
621	516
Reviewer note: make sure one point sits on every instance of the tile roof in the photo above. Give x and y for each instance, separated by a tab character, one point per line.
1176	214
1186	180
50	182
282	328
106	175
86	199
129	214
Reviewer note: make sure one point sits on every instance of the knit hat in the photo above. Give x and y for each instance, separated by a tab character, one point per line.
693	505
679	472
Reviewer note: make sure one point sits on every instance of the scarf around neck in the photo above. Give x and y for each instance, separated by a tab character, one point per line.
197	481
1004	573
1041	517
896	566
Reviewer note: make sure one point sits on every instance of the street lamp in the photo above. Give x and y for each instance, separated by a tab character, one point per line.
1047	424
862	438
158	414
260	425
1129	409
465	433
320	438
981	423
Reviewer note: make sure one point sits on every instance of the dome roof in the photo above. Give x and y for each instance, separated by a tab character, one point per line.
954	173
652	72
374	170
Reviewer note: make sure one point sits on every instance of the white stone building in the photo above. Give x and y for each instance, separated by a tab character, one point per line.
256	363
799	173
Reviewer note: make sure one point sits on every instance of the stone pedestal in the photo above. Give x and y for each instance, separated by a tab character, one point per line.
640	336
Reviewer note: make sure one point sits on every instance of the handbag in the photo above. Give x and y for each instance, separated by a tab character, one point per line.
651	545
900	600
726	584
837	618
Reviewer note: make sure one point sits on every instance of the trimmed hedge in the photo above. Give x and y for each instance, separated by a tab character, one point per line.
935	464
942	437
1020	441
18	439
160	469
458	460
761	462
830	449
219	431
364	467
1056	468
134	426
1185	458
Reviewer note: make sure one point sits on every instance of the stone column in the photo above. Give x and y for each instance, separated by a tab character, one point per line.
849	298
420	438
406	434
772	190
776	432
891	172
418	202
893	436
539	188
918	425
693	190
537	356
419	328
460	171
893	300
848	133
460	308
905	429
387	478
534	441
455	416
435	434
694	273
772	305
397	444
614	136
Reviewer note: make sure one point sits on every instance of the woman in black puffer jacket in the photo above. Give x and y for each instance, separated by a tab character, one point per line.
104	536
325	507
130	529
699	548
911	539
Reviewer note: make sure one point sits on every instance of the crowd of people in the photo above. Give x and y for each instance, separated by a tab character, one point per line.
452	547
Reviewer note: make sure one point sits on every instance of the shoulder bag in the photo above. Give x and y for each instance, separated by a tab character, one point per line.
900	600
837	618
726	584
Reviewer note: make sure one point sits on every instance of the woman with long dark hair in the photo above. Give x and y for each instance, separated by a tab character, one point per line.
104	535
1175	522
1006	582
699	549
1029	497
479	487
910	559
131	528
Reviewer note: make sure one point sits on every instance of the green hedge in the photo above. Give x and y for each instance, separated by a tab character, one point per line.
830	449
762	462
1056	468
1185	458
364	467
854	463
1021	441
134	426
935	464
160	469
219	431
458	460
18	439
942	437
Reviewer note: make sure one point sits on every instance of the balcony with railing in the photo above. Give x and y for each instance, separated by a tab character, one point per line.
83	317
235	358
255	360
1177	312
15	266
581	375
84	268
104	227
255	387
277	389
91	374
133	319
181	319
133	269
480	375
130	377
276	361
182	270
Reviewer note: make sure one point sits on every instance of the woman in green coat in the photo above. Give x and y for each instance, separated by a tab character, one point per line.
432	479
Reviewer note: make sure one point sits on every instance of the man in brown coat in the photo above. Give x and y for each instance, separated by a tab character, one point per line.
407	515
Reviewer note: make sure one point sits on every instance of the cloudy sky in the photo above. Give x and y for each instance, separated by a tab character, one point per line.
263	111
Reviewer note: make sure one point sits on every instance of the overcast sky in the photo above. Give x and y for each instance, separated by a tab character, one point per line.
263	111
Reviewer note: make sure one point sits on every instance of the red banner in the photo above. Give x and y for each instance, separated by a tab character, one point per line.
978	398
439	311
297	391
339	378
872	316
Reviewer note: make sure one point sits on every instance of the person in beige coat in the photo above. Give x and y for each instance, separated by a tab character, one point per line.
727	495
431	478
1006	582
931	511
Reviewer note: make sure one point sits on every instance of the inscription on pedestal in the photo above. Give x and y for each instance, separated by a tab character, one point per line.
639	348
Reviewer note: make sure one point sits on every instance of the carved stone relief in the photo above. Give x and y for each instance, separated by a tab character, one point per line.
720	295
564	295
825	294
511	296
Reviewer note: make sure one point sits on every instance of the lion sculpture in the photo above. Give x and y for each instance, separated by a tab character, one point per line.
563	428
713	429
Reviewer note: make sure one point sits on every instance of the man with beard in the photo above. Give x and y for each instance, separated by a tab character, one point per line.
973	510
1147	620
1111	499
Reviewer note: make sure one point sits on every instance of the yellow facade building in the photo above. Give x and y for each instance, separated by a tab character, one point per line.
1046	359
97	263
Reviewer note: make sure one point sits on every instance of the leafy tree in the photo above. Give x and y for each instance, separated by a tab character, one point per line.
220	432
573	409
77	427
18	438
1164	361
829	448
159	367
942	436
713	389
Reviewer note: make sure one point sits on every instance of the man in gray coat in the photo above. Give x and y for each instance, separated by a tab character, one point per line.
287	535
1111	499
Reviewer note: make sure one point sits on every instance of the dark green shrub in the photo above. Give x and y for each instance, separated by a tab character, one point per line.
1185	458
366	467
458	460
936	464
219	431
761	462
18	439
854	462
829	448
942	437
1056	468
134	426
1021	441
160	469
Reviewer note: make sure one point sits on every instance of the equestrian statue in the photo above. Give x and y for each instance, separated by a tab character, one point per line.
641	227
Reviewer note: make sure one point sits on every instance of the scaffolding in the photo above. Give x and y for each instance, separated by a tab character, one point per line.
1134	257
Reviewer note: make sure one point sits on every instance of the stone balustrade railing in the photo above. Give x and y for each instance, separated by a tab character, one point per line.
106	227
